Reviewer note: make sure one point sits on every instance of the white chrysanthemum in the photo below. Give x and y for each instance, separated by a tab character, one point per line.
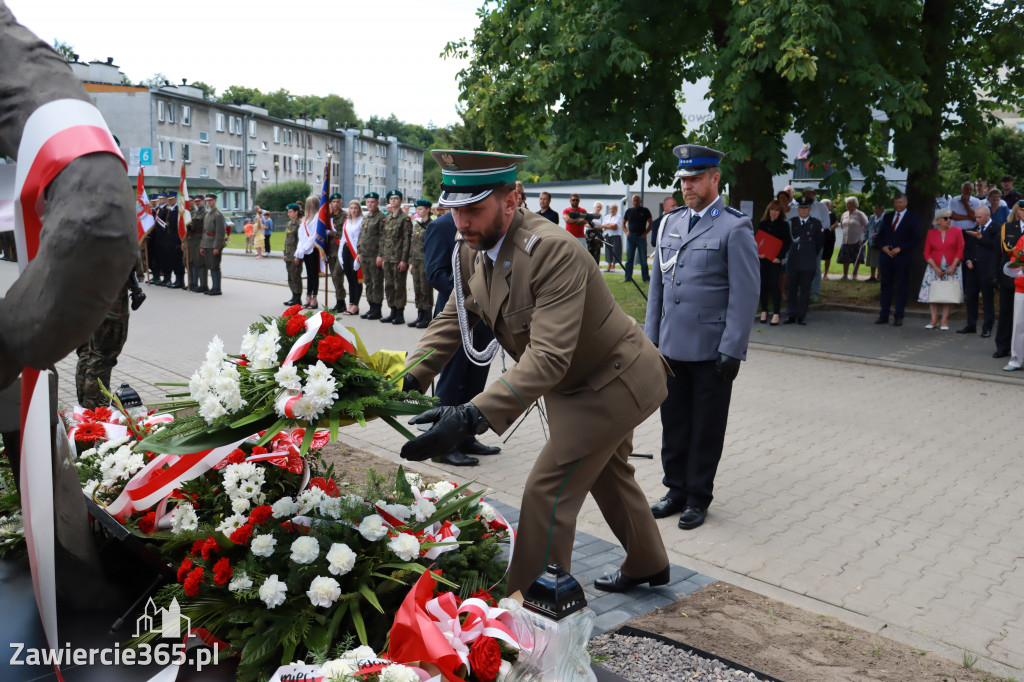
424	509
406	546
330	507
310	498
488	512
340	558
305	409
319	372
239	582
114	444
305	550
323	591
197	386
208	373
339	670
233	401
240	505
215	351
503	671
248	346
284	507
414	479
372	527
288	378
321	393
359	653
231	523
273	592
509	604
265	353
88	454
210	408
263	545
225	385
442	488
399	511
90	487
396	672
183	518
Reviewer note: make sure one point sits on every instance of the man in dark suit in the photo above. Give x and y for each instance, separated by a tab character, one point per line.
899	234
979	271
461	379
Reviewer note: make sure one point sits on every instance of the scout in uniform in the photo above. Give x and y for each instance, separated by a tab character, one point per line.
193	236
703	296
424	295
291	241
551	310
334	264
395	241
368	248
212	245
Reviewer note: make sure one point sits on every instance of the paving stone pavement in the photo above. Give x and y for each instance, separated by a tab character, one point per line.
850	486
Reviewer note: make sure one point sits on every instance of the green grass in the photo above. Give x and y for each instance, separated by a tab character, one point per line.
237	240
626	295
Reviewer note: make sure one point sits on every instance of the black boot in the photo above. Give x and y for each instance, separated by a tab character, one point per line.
390	318
416	322
399	316
422	324
215	284
294	300
373	313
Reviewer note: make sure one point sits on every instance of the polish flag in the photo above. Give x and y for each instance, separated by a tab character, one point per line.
184	205
143	211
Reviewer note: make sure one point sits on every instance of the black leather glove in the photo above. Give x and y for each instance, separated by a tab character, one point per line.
410	383
451	425
727	367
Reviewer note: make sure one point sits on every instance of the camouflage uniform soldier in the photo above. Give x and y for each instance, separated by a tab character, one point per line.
368	248
212	243
334	264
98	355
291	241
418	268
395	240
196	263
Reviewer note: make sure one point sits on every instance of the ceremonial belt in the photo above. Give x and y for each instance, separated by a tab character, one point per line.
210	234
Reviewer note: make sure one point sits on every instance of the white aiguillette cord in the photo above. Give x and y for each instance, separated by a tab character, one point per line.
477	357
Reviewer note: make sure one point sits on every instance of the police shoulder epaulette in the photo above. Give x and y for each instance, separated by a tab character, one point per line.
526	241
736	212
677	209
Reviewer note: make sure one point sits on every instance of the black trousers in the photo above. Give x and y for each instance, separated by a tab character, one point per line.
771	285
266	245
355	288
798	292
895	277
693	421
1004	329
312	261
979	280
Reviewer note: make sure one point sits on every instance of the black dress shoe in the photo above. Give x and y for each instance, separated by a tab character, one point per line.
667	506
882	320
617	582
291	302
985	333
692	517
457	459
801	322
1001	354
966	330
789	320
897	321
478	448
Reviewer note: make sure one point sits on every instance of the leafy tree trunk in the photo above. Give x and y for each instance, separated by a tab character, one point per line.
753	183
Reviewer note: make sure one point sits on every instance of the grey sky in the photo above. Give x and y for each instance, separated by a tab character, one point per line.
384	56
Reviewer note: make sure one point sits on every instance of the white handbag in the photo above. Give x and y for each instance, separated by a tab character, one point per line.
945	291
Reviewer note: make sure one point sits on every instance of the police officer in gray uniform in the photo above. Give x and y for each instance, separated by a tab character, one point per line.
703	297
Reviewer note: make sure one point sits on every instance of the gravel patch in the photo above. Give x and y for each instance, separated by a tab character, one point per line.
640	659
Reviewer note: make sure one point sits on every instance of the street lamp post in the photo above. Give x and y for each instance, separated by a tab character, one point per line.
277	167
251	156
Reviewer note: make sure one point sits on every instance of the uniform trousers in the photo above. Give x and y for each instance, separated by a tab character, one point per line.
394	284
355	287
373	278
979	280
895	276
798	292
96	360
312	263
771	285
693	421
294	277
337	278
1004	327
423	294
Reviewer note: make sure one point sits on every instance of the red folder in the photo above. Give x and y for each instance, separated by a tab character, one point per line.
767	245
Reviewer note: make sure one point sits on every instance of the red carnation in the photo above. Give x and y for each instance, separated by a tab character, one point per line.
259	450
290	312
185	567
222	571
195	578
484	595
326	322
90	432
147	523
295	326
261	515
242	534
236	456
197	547
330	349
209	547
484	657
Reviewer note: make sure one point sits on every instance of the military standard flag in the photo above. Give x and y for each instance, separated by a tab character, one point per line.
184	205
323	217
143	212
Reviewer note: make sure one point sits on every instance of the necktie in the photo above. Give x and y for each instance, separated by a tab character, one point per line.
694	219
488	270
895	221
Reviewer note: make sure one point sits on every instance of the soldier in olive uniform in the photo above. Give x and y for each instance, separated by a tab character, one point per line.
395	242
193	236
291	240
212	245
368	248
334	264
424	294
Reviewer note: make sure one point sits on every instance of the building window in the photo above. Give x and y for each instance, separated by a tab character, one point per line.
220	123
204	172
204	137
162	152
265	174
252	128
170	112
318	155
237	200
220	156
170	151
186	115
186	152
160	109
277	134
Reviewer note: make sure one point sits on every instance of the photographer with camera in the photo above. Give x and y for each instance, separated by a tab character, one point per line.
593	238
575	224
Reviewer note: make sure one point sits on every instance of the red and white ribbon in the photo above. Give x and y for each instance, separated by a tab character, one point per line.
447	534
481	620
304	341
